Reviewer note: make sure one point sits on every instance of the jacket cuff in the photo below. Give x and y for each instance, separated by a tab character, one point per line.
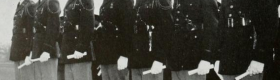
80	47
48	48
259	56
208	56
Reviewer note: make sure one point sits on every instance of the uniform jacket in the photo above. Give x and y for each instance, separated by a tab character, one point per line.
22	31
194	33
267	27
247	30
274	71
277	50
151	35
47	26
113	38
77	31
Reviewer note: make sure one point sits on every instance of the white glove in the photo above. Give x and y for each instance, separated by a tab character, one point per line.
219	1
99	26
44	57
122	62
203	67
255	67
157	67
134	4
216	69
27	61
78	55
35	1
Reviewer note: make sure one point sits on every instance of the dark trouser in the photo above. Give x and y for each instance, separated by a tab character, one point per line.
60	71
254	77
111	72
46	70
183	75
78	71
25	73
137	74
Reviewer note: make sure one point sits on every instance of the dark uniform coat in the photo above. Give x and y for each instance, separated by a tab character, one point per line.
248	30
46	28
113	38
22	31
265	20
194	33
273	72
78	28
152	23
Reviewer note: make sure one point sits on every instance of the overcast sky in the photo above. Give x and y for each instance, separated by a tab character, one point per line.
7	10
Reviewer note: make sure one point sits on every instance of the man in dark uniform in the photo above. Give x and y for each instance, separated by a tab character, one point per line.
194	38
273	73
152	23
248	31
22	39
76	40
112	43
45	42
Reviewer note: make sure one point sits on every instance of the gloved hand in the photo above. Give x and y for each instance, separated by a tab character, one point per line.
157	67
134	4
203	67
78	55
27	60
219	1
44	57
35	1
255	67
122	62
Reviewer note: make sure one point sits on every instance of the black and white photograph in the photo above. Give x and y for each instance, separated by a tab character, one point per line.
139	40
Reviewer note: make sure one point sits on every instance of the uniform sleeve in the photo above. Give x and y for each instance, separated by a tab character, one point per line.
210	31
222	22
277	51
126	23
53	26
277	46
266	28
